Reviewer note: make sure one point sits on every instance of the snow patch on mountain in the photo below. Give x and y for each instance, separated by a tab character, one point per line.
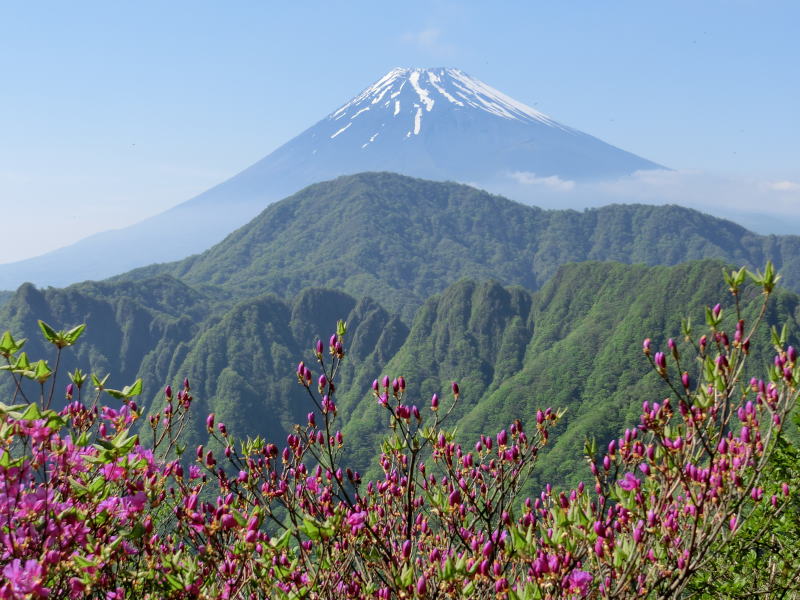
432	91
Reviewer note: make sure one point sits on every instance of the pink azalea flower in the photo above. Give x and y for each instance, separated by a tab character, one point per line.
23	582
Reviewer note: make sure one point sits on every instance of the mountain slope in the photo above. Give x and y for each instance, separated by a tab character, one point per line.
575	344
399	239
128	323
439	124
435	123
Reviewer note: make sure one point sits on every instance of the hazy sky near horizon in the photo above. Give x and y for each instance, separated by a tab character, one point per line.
114	111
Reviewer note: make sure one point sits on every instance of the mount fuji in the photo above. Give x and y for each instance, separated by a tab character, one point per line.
440	124
433	123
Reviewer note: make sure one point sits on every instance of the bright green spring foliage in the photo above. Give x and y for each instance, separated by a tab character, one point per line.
400	240
89	509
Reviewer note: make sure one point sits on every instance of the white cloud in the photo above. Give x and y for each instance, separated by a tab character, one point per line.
430	41
554	182
784	186
708	192
762	205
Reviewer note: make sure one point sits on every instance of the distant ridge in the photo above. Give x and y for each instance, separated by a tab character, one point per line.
435	123
399	239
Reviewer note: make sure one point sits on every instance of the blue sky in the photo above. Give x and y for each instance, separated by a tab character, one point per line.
113	111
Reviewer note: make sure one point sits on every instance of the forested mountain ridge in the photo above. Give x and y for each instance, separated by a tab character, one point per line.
127	323
511	350
576	344
400	239
373	249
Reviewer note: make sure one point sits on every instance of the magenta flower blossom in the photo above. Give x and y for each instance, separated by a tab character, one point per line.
23	581
629	482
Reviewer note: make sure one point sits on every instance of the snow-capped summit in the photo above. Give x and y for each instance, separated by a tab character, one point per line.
440	123
410	94
434	123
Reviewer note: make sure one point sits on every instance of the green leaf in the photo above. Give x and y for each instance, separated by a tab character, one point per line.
407	576
9	346
5	408
49	333
22	362
84	563
54	420
83	440
96	485
99	384
127	392
42	371
31	413
73	334
77	377
133	390
282	541
174	582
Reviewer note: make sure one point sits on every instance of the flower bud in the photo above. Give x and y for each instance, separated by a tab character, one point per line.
502	438
435	402
744	435
210	422
168	392
455	389
646	346
673	348
406	549
422	586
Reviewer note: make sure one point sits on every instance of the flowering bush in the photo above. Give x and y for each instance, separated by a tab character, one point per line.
87	509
